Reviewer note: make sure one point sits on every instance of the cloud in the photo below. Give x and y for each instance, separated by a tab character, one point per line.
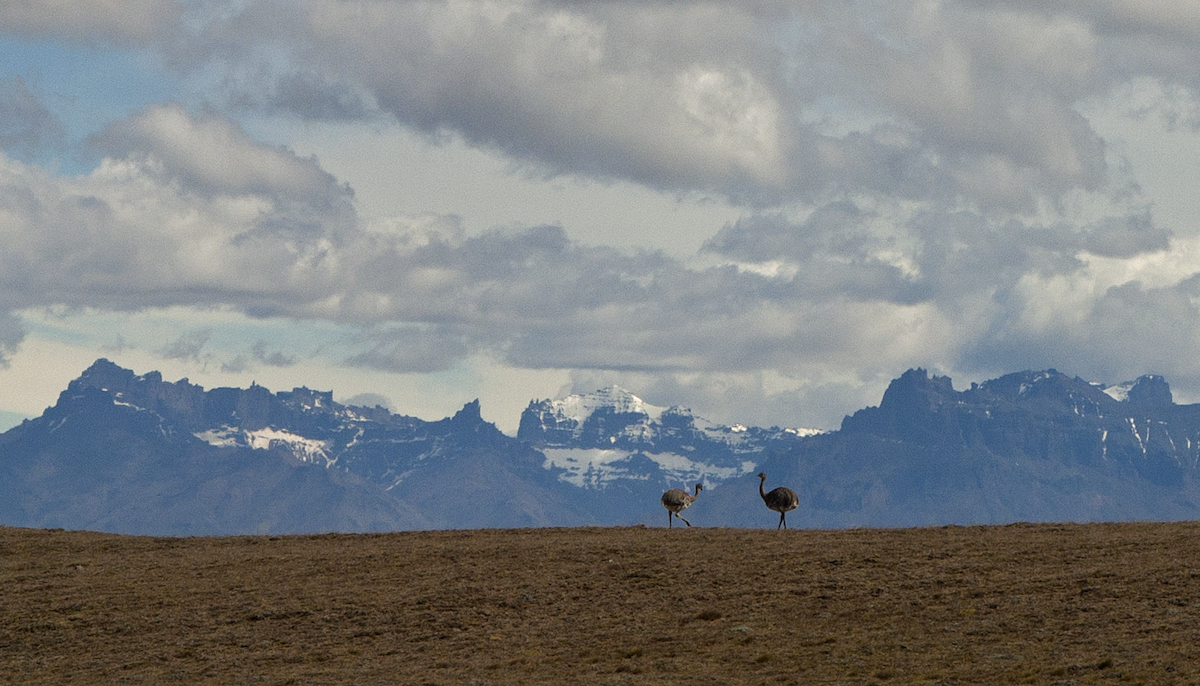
825	303
766	103
210	155
259	355
761	398
189	346
1125	331
271	358
184	210
26	126
920	181
608	91
914	255
310	96
1124	17
1133	41
91	21
12	332
368	400
413	348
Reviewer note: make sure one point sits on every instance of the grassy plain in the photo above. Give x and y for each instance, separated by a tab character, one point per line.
1019	604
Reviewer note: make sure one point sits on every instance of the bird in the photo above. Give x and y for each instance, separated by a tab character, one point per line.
782	500
676	501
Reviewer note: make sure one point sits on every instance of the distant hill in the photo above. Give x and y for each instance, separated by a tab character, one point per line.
132	453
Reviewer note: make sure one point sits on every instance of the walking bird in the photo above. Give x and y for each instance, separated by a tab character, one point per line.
677	501
782	499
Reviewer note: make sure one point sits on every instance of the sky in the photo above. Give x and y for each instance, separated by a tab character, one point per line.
762	211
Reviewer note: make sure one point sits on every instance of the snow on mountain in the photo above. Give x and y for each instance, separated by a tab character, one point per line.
570	418
601	438
305	449
1119	392
576	409
596	467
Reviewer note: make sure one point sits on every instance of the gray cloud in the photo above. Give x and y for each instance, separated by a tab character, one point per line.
368	400
12	332
606	90
259	355
271	358
307	95
26	126
1129	330
763	102
189	346
92	21
842	249
210	155
1125	236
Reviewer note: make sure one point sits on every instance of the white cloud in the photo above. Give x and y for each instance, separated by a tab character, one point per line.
155	226
210	155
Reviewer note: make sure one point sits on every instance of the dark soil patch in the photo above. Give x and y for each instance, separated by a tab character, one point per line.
1021	604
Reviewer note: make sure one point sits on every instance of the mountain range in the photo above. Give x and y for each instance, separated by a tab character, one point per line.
132	453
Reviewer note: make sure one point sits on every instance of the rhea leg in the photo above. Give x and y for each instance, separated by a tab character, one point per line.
684	520
782	521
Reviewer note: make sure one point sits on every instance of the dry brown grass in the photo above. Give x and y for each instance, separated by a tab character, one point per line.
1036	604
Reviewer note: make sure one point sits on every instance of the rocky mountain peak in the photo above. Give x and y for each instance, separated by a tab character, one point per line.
1150	390
593	417
468	415
916	387
105	375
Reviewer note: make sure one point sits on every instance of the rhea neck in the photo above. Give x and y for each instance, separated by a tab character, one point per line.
762	479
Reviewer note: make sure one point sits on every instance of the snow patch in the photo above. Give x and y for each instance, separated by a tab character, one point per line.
598	467
575	410
1120	392
578	408
305	449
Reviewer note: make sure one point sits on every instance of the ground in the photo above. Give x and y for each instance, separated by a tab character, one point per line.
1036	604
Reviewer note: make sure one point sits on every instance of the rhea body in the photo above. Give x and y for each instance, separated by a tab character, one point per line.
782	500
676	501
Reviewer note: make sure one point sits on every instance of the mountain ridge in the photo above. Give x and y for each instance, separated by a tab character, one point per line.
1027	446
133	453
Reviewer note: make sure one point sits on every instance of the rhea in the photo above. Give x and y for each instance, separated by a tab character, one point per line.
677	501
782	500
